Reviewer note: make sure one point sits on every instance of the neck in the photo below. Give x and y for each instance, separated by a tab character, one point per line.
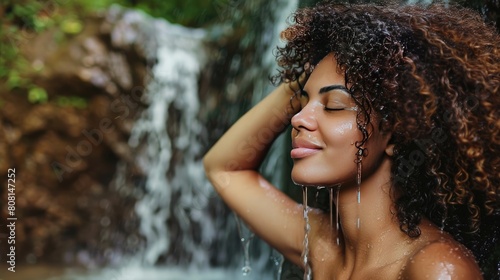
369	226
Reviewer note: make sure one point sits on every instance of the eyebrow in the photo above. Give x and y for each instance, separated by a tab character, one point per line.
330	88
334	87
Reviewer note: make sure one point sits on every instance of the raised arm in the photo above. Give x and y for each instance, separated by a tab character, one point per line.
231	165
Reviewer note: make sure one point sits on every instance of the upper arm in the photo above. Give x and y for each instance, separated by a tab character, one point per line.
442	260
270	213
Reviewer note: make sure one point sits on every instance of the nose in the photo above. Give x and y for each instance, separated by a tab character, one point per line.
306	118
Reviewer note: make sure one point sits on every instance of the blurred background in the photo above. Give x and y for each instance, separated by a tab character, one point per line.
107	108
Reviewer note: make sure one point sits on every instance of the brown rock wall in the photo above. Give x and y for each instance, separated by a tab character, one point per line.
65	156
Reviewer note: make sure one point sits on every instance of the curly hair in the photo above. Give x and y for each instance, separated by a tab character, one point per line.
432	74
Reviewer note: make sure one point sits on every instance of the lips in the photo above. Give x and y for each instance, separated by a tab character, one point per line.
302	148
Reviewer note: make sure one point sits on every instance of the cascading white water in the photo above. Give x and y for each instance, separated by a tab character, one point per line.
168	151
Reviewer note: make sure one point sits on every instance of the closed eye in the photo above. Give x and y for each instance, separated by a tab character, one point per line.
355	108
334	109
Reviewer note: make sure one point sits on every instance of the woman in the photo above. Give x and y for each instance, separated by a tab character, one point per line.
395	108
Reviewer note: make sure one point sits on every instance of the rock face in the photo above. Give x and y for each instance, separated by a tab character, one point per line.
64	155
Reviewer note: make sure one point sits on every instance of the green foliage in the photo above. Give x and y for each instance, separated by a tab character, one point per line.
14	80
21	21
192	13
71	26
37	95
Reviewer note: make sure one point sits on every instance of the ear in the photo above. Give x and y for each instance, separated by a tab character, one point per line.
389	150
387	134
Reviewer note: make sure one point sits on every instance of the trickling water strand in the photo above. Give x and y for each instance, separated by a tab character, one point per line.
245	243
358	190
246	269
307	227
278	263
332	197
498	267
337	223
330	192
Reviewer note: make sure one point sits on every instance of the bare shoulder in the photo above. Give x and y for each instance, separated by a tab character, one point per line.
442	259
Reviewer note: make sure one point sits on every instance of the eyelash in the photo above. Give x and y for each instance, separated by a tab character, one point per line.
304	94
333	109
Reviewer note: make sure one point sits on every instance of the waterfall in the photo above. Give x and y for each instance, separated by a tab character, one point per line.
173	209
176	206
173	88
166	141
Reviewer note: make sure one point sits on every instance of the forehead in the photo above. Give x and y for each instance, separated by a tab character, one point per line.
325	73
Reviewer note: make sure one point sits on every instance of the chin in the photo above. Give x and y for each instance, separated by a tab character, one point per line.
317	178
304	184
307	182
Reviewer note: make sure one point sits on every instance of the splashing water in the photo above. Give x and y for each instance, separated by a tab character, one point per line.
307	228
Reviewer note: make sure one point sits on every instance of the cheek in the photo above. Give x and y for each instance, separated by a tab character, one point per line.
346	128
343	135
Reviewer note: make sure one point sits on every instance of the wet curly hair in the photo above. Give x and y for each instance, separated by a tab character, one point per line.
432	75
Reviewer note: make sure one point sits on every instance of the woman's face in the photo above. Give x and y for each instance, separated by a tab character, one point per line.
325	132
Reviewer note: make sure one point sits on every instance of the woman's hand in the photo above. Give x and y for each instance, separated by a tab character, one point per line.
296	87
